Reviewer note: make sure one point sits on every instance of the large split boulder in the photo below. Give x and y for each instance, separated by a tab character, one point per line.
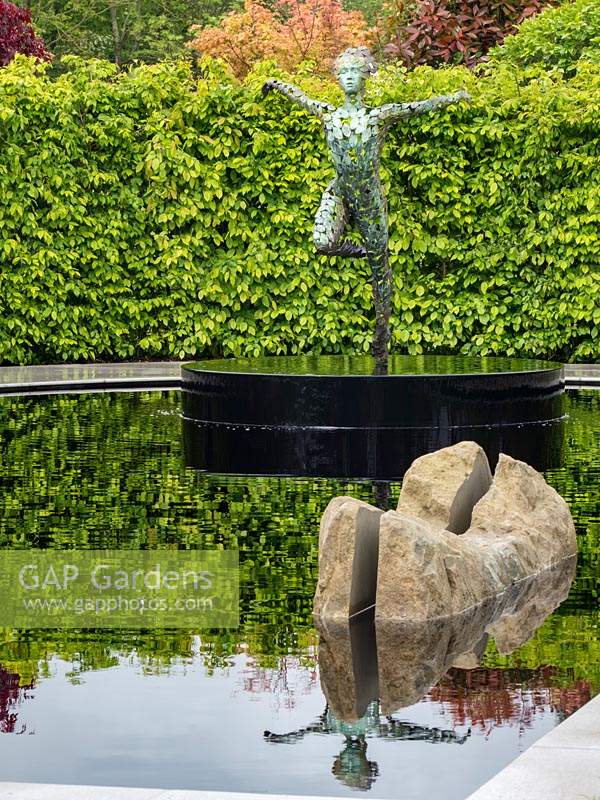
455	542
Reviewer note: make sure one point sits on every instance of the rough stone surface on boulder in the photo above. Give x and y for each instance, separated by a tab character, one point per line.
522	508
412	581
520	527
441	488
348	558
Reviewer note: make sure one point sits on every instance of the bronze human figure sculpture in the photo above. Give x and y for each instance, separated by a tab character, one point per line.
355	135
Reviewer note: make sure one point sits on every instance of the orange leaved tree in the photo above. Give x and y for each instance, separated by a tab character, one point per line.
290	32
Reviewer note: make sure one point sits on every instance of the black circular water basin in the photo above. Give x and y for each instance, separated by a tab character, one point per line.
346	416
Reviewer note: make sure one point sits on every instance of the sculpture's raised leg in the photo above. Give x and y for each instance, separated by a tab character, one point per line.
330	223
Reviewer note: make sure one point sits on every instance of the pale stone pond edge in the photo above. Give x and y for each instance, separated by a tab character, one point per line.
137	376
562	765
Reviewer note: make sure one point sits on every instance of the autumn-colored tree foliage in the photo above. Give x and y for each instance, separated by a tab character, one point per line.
456	31
290	32
17	34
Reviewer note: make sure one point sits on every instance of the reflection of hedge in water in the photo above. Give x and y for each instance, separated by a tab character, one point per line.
568	642
103	471
97	471
107	471
29	653
578	483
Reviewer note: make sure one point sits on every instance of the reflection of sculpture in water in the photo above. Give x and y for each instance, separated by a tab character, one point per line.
351	766
355	135
370	670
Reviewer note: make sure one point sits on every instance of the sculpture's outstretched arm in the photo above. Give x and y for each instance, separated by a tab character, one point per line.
392	112
296	96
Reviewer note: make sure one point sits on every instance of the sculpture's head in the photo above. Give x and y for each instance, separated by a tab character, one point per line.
353	67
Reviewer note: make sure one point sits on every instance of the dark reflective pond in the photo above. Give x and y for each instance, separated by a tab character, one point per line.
243	709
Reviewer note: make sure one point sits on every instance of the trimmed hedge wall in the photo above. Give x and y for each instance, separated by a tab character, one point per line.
557	38
155	215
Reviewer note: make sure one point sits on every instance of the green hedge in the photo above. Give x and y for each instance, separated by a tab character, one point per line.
558	37
154	215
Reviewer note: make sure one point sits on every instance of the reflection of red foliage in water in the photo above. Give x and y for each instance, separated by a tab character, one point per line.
11	695
488	698
568	700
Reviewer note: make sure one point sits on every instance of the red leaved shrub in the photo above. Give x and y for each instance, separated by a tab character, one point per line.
457	31
17	34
